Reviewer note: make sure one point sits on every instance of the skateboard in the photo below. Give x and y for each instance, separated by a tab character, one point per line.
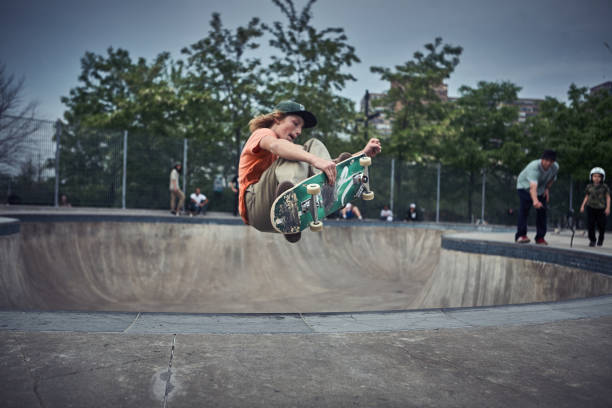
308	202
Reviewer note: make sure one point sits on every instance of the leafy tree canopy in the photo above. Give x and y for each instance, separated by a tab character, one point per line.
580	131
418	115
486	132
309	67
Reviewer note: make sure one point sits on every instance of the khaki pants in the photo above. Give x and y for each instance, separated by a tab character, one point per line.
260	196
181	199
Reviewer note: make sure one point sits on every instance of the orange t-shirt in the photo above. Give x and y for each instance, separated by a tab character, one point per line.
253	162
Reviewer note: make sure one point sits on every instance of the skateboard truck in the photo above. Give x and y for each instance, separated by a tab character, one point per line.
360	179
314	190
364	190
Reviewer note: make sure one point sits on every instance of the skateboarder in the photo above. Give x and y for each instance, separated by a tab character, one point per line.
272	163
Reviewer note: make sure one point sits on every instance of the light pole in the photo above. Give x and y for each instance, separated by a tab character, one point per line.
368	117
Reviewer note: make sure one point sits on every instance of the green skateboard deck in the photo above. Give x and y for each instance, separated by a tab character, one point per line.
293	211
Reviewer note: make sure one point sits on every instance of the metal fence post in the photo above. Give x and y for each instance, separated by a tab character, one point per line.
184	169
124	181
391	184
571	194
58	131
483	200
438	193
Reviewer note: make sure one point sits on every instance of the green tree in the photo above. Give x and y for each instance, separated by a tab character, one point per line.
219	65
486	135
580	131
309	67
120	94
419	117
116	94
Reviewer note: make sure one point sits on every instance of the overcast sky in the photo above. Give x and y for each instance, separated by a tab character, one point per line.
540	45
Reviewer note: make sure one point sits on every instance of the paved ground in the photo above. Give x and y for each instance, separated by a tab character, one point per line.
553	354
563	364
557	240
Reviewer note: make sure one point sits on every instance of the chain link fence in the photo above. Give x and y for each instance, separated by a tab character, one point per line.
101	168
27	175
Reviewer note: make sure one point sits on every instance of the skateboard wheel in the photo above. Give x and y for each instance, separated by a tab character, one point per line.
313	189
316	226
368	196
365	161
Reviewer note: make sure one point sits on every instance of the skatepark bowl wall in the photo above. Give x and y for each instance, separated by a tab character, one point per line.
136	264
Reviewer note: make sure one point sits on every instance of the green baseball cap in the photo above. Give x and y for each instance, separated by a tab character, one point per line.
298	109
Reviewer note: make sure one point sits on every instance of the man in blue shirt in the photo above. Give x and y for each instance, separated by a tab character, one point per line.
533	185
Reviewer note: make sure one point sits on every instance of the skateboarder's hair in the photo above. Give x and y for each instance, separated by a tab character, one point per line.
265	121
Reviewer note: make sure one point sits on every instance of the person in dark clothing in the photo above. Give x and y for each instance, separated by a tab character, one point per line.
597	205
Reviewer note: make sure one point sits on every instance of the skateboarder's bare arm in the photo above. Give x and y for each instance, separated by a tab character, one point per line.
287	150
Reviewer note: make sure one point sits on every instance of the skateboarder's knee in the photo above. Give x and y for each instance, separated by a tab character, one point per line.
316	147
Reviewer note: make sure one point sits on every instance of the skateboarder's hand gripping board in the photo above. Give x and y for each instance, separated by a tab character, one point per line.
314	198
329	167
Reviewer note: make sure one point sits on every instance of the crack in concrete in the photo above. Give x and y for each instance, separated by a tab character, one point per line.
132	324
35	380
306	323
169	386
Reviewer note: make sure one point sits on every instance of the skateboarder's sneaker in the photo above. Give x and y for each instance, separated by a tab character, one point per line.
282	187
522	240
343	156
599	242
541	241
591	243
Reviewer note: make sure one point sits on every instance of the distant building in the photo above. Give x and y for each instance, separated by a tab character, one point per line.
381	123
527	108
442	91
606	86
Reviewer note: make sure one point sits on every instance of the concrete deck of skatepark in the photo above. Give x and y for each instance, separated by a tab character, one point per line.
138	308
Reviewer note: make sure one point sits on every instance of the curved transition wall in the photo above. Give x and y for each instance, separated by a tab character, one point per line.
210	268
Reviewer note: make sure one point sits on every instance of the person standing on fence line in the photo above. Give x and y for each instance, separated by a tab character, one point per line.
597	204
175	190
271	162
533	187
198	202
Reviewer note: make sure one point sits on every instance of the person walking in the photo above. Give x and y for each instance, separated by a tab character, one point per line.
175	190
